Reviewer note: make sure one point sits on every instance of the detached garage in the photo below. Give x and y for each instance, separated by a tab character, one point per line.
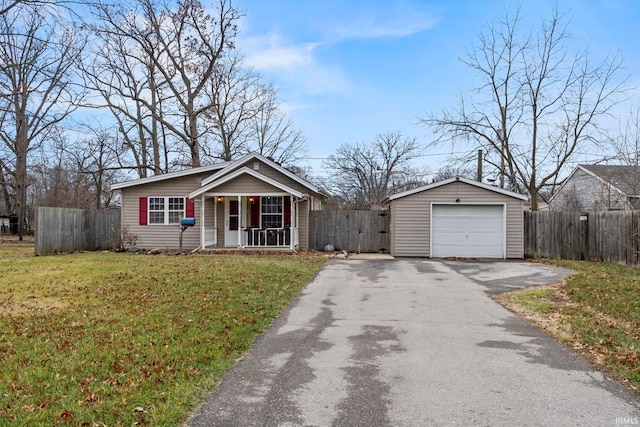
457	217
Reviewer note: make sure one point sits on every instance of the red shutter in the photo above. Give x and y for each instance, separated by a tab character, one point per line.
143	211
287	211
255	212
191	208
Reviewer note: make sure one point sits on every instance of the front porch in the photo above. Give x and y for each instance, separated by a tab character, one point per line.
241	221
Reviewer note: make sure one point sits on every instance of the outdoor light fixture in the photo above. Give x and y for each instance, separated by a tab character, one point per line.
220	199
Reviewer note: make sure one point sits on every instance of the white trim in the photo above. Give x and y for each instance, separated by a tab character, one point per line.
593	175
463	180
202	230
564	183
262	204
242	171
166	211
599	178
220	173
274	165
241	209
504	221
170	175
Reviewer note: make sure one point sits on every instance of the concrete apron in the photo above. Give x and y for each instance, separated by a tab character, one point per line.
413	342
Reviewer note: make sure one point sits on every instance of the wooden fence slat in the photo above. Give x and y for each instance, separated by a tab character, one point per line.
604	236
350	230
64	230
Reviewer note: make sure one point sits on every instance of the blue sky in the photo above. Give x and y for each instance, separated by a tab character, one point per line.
349	70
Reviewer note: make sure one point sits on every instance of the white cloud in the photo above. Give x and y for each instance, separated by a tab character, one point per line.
271	53
294	65
368	27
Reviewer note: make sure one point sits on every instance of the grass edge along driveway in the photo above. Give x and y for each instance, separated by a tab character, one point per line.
105	339
596	311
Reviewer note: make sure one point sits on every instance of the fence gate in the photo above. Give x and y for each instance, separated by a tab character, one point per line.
351	230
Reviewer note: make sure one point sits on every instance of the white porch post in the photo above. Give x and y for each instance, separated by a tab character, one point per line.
203	237
240	221
292	222
215	219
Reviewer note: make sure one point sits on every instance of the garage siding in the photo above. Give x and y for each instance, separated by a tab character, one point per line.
410	236
411	217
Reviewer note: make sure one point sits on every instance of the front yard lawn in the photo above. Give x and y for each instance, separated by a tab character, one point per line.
597	311
105	339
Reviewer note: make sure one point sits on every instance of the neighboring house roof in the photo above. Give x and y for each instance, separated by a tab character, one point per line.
621	178
625	179
459	179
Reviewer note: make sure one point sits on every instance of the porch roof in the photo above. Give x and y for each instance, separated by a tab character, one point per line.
242	171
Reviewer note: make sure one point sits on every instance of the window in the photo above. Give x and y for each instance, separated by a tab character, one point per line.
271	211
166	210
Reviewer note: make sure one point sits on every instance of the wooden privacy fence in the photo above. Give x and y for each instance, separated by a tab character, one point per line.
64	230
350	230
595	236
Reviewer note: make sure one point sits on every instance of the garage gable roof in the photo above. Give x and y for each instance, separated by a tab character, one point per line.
459	179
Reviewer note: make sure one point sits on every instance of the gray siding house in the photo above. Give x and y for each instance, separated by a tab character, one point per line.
599	188
457	217
250	203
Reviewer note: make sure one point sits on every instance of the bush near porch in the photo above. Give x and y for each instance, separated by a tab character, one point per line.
122	339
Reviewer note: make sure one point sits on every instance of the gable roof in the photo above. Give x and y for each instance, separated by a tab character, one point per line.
618	177
243	171
222	169
624	178
170	175
230	166
459	179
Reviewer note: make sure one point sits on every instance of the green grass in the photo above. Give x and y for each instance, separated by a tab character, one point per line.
119	339
597	311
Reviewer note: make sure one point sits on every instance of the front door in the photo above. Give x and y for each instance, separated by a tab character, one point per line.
231	222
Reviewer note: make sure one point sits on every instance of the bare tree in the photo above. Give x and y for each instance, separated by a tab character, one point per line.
37	57
98	162
6	201
365	174
181	47
452	171
233	94
535	104
55	181
273	134
124	76
626	140
7	5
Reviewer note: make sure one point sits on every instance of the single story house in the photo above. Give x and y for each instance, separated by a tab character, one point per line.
457	217
599	188
252	202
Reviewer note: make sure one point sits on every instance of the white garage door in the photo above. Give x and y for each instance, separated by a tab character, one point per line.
472	231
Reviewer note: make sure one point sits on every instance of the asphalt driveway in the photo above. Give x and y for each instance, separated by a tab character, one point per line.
414	343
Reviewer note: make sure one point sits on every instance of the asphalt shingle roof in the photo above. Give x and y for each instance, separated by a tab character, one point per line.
624	178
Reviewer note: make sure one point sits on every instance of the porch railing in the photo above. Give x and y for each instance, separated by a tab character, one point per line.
271	237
